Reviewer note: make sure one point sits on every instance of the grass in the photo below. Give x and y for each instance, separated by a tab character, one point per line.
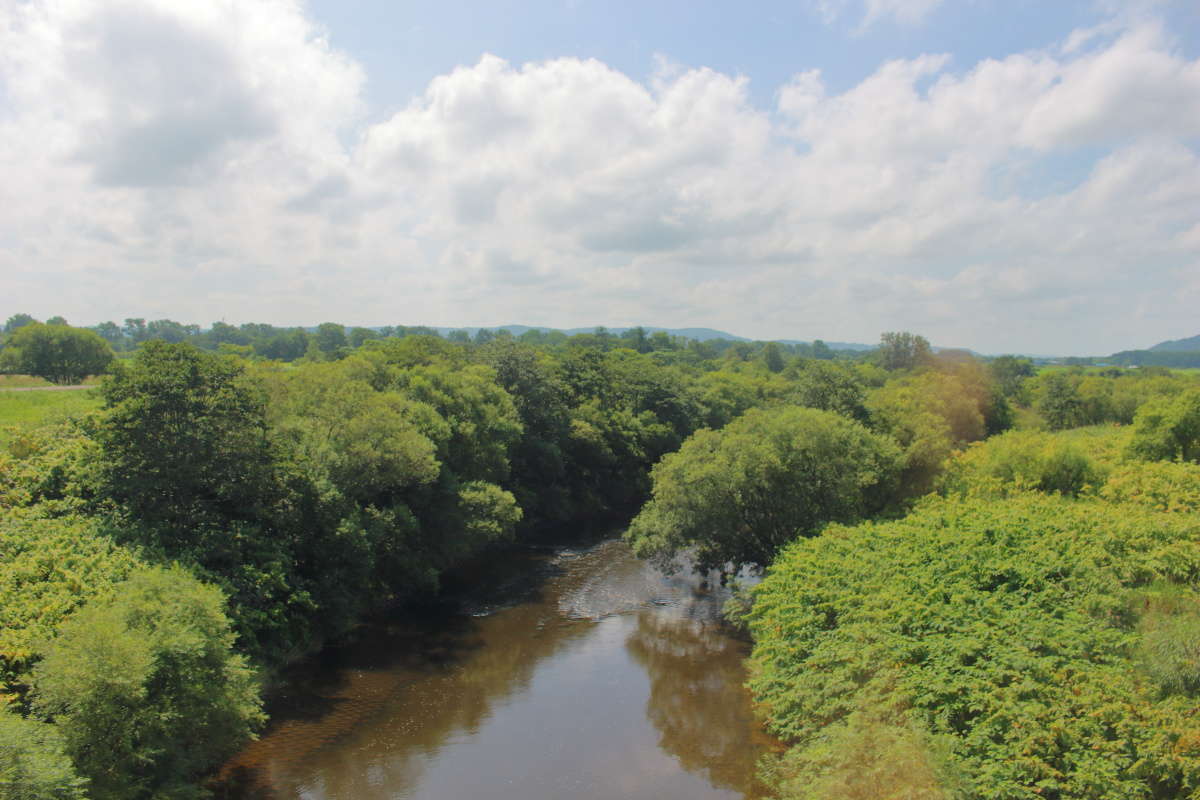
19	410
29	381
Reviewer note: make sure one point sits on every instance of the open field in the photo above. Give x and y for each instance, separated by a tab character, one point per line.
23	409
31	382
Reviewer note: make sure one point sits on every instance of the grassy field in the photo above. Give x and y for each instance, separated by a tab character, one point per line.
24	409
29	381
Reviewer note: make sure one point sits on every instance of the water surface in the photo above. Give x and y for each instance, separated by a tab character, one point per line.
551	673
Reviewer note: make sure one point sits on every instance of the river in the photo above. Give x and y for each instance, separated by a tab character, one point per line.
553	672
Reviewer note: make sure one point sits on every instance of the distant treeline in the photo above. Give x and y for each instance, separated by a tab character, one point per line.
331	339
1155	358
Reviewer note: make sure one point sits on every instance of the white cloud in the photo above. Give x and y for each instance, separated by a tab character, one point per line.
211	159
904	12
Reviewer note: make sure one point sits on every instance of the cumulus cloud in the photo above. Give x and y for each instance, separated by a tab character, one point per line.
207	160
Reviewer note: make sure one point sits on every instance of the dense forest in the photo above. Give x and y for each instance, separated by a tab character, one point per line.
980	576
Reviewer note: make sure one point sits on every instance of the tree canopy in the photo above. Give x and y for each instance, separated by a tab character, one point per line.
58	353
739	494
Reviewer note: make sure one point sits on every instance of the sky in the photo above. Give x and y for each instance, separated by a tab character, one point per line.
1005	175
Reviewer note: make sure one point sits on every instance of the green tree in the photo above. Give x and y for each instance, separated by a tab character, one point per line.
57	320
135	329
58	353
185	440
1168	428
773	357
1059	402
739	494
1010	373
330	338
903	350
360	335
18	321
146	689
112	334
830	386
33	762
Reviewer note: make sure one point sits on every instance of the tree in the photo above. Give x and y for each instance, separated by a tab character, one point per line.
111	333
1168	428
18	321
56	320
903	350
135	329
170	331
773	357
330	338
1060	403
739	494
360	335
146	689
831	387
184	440
58	353
1010	373
33	763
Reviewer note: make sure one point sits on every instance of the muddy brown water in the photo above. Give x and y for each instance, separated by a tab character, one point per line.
568	671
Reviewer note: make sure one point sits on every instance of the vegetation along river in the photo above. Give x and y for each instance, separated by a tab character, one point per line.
555	672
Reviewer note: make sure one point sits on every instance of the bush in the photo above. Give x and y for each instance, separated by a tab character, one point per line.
1006	626
1023	460
1162	486
145	687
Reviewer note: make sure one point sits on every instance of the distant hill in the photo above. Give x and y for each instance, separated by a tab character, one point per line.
1189	345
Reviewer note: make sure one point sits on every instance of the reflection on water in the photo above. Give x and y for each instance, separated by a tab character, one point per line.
575	672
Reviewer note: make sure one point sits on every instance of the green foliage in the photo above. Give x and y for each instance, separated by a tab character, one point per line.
903	350
1060	403
871	756
724	395
49	568
773	358
930	415
1168	428
480	420
145	689
740	494
1162	486
330	339
17	321
830	386
33	762
58	353
1005	626
1169	624
1024	460
184	442
1010	373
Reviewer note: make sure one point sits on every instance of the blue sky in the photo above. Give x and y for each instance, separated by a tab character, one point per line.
1008	176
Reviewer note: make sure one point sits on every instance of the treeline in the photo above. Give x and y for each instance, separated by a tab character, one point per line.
1156	358
332	340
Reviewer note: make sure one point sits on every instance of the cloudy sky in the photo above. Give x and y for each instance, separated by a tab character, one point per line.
1008	175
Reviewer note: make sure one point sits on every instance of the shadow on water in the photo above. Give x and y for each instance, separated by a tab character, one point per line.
535	666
